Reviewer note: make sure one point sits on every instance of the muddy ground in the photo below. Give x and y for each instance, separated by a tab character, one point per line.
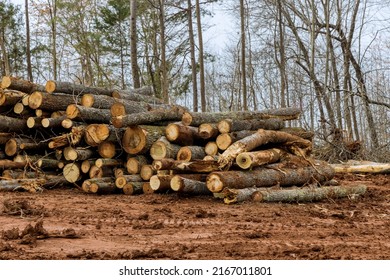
69	224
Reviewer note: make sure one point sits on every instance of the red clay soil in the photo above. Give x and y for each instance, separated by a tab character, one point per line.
69	224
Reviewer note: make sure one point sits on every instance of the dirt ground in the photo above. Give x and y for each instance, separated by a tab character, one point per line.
69	224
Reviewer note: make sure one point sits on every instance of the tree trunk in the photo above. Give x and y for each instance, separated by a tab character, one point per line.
162	148
193	62
196	119
191	153
308	194
100	172
74	89
160	182
123	180
86	114
267	177
363	167
28	48
262	137
134	164
243	55
8	82
133	43
252	159
181	134
133	188
201	58
232	125
199	166
8	124
189	185
86	185
143	94
10	97
51	102
175	114
139	139
9	164
108	162
103	188
78	153
52	122
106	102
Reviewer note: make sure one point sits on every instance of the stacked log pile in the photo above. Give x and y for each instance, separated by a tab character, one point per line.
107	141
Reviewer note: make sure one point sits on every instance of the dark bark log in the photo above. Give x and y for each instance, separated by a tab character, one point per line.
99	172
10	97
174	114
75	89
182	135
252	159
134	164
137	95
160	183
139	139
103	188
9	164
133	188
53	122
31	185
21	85
14	145
123	180
4	137
8	124
300	132
196	119
34	122
108	162
261	137
78	153
231	125
147	171
266	177
88	115
87	183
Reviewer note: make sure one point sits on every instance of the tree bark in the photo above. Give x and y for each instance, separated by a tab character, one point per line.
8	124
232	125
363	167
78	153
262	137
266	177
191	153
86	185
52	122
106	102
189	185
160	182
108	162
181	134
133	43
123	180
139	139
9	164
133	188
196	119
74	89
174	114
10	97
199	166
224	140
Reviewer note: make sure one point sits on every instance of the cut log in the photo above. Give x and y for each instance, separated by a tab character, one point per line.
86	114
74	89
107	149
231	125
71	172
174	114
211	148
133	188
22	110
191	153
86	185
212	158
266	177
134	164
197	118
78	153
21	85
362	167
31	185
199	166
208	130
8	124
96	133
72	138
135	95
308	194
107	102
224	140
53	122
147	171
162	148
49	163
146	189
9	164
139	139
86	165
252	159
119	171
181	134
160	183
189	186
123	180
300	132
42	114
34	122
109	162
103	188
4	137
10	97
298	145
51	102
14	145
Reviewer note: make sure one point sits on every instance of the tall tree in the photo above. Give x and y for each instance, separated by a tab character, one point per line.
193	61
28	50
243	55
133	43
201	58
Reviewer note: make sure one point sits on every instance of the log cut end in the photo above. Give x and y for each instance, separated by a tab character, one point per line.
6	81
35	100
177	183
211	148
224	141
50	86
71	172
72	111
158	150
117	121
224	126
146	189
172	132
134	140
87	100
11	147
184	154
214	183
120	182
118	109
107	149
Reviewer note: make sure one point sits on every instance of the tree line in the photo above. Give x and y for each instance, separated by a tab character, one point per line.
329	58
